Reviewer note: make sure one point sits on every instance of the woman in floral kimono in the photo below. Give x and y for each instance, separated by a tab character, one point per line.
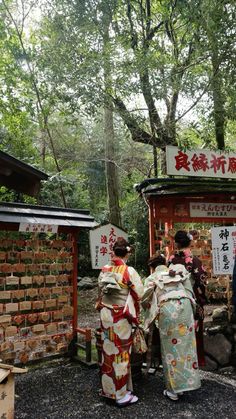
198	278
168	298
120	289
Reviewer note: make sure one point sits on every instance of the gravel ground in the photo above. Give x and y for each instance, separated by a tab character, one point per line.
87	315
63	389
69	390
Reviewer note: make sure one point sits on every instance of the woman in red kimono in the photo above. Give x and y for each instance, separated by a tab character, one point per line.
193	265
120	289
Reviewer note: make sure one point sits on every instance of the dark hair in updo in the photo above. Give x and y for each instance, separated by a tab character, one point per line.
182	238
156	260
121	247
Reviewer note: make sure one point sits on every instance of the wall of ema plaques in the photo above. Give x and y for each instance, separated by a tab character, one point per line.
218	286
35	296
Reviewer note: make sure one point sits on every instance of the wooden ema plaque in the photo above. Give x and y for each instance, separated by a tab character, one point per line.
36	297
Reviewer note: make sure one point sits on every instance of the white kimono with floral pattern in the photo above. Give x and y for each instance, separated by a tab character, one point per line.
116	326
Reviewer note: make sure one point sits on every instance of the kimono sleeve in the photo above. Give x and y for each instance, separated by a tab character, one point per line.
99	281
199	276
198	272
234	284
136	283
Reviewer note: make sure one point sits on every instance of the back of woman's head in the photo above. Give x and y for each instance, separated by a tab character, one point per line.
121	247
156	260
183	239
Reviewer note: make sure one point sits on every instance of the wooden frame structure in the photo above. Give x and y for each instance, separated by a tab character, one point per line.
168	200
26	319
23	262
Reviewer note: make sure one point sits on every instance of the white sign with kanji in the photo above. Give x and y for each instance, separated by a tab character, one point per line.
205	163
223	249
212	209
38	228
102	240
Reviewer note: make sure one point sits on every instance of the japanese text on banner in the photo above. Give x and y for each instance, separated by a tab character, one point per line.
196	162
223	249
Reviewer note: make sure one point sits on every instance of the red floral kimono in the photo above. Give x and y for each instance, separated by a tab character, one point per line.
119	309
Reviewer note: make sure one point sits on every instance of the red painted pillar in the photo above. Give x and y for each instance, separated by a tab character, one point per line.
151	227
74	279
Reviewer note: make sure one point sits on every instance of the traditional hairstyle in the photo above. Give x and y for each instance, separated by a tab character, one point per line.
121	247
156	260
183	239
194	234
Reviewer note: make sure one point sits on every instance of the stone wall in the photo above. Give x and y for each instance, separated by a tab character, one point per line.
220	340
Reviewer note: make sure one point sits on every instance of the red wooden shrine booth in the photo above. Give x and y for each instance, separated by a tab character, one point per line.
173	203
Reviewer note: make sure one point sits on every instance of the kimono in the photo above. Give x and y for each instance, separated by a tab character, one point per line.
120	291
171	302
198	280
234	287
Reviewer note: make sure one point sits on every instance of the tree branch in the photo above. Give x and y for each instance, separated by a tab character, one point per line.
137	133
134	36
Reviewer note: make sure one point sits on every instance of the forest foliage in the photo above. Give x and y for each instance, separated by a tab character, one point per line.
92	90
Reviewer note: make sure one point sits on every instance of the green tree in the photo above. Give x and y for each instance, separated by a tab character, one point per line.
218	35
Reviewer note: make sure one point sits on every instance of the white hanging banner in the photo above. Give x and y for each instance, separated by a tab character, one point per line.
102	240
212	209
223	249
38	228
200	162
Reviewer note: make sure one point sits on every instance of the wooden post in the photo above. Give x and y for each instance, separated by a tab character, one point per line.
75	274
151	227
87	333
88	344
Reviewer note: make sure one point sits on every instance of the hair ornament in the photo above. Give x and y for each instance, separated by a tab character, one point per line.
128	249
190	237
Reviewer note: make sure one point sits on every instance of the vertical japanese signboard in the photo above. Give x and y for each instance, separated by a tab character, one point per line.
223	249
206	163
102	240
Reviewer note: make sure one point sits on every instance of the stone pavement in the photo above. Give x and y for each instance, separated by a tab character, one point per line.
67	390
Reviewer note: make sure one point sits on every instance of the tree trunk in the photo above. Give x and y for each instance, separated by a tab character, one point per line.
109	135
111	169
218	102
215	13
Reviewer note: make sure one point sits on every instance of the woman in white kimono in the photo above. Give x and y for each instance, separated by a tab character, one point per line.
168	298
120	291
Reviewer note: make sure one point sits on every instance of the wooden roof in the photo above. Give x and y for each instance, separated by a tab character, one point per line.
15	213
14	174
185	186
